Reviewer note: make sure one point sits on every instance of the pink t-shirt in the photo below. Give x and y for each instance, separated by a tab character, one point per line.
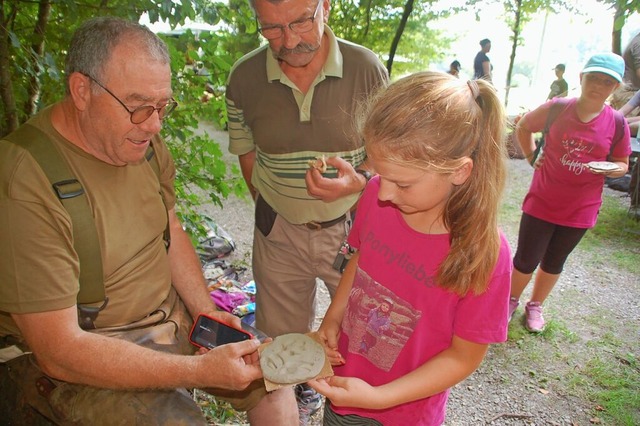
563	191
397	268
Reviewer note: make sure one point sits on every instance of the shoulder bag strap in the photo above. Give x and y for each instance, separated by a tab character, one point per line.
72	196
154	162
619	132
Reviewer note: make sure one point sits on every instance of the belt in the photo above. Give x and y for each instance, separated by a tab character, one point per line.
316	226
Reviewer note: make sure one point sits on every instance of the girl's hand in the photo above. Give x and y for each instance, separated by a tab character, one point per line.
349	392
539	161
328	333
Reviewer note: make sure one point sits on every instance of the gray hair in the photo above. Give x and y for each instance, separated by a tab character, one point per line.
252	3
92	45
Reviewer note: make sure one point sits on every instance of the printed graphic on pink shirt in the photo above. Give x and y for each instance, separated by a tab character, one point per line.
576	154
377	322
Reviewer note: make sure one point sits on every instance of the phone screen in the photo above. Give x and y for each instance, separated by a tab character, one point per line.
209	333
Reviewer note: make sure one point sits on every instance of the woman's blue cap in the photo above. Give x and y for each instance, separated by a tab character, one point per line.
606	63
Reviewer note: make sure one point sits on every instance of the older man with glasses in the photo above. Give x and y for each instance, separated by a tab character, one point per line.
125	359
290	103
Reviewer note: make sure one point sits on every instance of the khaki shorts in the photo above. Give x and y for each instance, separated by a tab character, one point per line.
287	260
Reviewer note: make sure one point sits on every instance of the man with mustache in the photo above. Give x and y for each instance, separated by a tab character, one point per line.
290	102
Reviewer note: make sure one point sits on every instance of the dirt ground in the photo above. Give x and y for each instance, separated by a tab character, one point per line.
593	315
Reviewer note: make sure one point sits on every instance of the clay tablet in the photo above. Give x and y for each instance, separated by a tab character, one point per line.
292	358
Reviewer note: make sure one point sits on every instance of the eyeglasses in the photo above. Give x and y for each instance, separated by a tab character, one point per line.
300	26
601	80
142	113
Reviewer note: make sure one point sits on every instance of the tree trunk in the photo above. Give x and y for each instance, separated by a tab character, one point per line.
616	33
368	20
33	83
514	47
408	8
6	88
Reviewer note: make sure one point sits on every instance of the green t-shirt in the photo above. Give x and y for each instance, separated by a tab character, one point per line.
39	267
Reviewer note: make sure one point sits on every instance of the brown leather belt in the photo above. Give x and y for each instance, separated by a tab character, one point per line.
316	226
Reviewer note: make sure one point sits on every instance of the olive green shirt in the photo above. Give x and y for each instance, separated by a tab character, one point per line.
39	267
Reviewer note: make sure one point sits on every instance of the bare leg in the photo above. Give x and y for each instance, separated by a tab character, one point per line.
278	408
519	282
543	285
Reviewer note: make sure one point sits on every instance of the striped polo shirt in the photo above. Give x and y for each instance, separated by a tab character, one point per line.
267	113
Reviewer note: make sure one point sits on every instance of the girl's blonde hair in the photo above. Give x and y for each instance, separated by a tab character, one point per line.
434	121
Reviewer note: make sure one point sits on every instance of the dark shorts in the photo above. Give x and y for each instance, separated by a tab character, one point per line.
545	244
331	418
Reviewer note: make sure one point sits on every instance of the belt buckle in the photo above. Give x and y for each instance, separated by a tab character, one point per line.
313	225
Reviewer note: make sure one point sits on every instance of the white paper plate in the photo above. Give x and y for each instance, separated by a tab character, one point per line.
603	166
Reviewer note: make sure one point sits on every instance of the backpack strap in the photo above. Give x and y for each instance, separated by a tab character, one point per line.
72	196
619	132
558	105
153	161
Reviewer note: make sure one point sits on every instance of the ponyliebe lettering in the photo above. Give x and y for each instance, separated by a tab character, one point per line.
401	260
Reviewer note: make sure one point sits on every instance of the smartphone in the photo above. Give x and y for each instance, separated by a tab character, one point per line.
209	333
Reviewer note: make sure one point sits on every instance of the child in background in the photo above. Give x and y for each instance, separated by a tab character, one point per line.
427	239
559	87
454	68
565	194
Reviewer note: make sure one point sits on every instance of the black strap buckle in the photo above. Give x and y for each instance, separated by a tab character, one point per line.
88	314
68	188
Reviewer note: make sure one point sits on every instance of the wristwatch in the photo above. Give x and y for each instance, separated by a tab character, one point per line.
367	174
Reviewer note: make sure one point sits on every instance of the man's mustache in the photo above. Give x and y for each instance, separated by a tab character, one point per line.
300	48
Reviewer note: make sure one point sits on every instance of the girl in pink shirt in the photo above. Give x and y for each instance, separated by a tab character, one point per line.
429	263
566	193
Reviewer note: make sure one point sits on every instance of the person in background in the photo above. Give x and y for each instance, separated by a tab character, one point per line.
454	68
631	79
559	87
428	243
291	102
628	110
134	363
565	194
482	68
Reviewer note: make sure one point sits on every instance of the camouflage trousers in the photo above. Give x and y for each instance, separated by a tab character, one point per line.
30	397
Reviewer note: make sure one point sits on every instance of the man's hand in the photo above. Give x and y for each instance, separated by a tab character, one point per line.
232	366
330	189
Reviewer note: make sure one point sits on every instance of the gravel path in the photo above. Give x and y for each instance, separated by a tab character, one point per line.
593	315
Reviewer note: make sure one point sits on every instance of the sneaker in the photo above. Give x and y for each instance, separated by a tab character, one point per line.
513	305
309	402
535	321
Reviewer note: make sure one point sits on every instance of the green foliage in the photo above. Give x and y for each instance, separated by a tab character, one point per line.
623	9
615	385
619	232
373	24
217	411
